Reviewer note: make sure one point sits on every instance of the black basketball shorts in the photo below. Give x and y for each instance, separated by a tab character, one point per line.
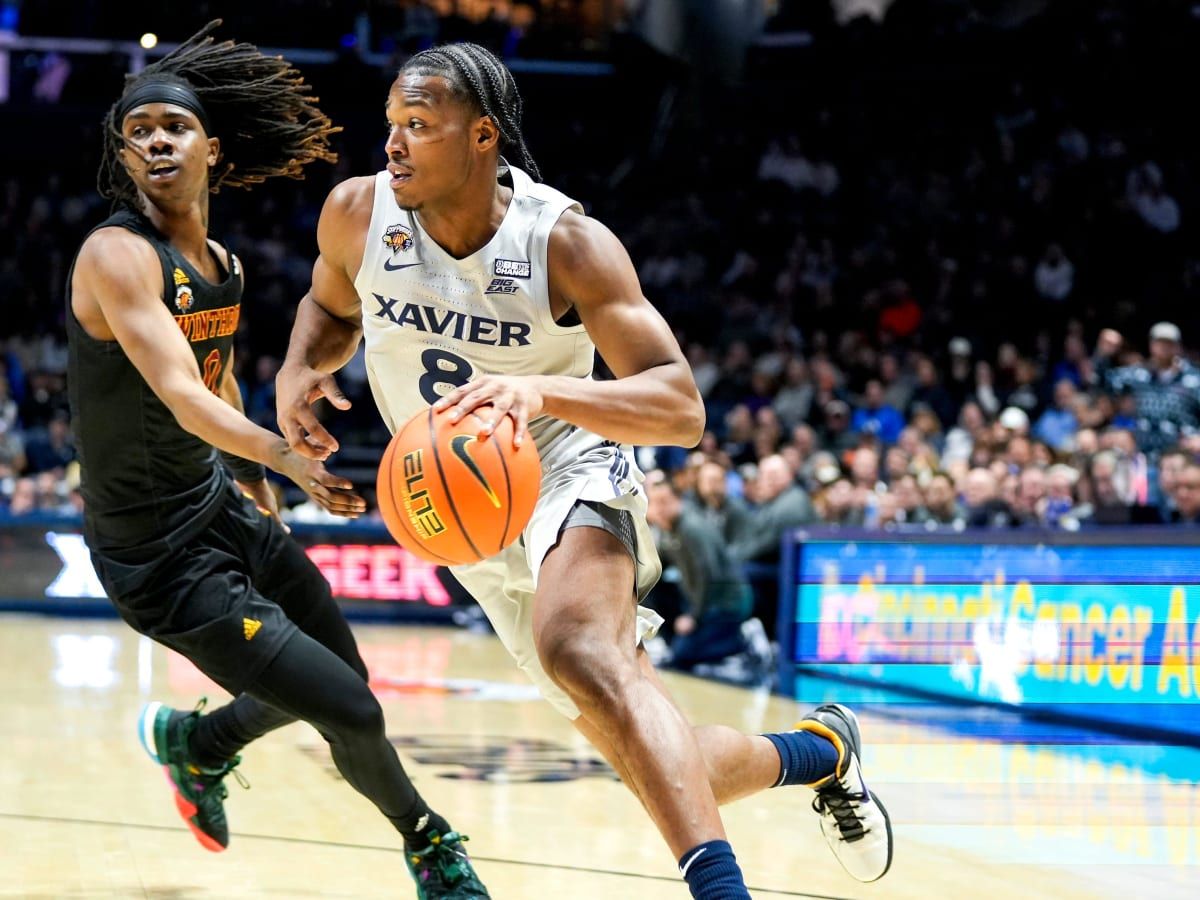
228	601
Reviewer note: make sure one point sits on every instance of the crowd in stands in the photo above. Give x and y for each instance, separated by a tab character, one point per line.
914	334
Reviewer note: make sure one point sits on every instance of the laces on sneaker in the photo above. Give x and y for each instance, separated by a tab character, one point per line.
841	803
214	779
441	856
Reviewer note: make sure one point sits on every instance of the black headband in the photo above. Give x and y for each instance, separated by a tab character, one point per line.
162	92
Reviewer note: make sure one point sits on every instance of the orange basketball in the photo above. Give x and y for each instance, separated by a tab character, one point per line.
451	498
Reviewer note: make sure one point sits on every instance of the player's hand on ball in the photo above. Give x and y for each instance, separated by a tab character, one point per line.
297	388
331	492
516	396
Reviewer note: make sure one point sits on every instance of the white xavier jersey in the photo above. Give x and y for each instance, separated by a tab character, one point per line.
432	322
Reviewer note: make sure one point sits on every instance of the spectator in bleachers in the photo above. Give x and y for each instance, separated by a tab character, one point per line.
941	501
717	597
1156	207
985	508
46	395
1054	276
910	500
739	435
837	504
834	431
961	439
1028	507
875	417
781	504
1057	425
864	470
793	402
1075	365
52	448
1166	388
897	462
984	391
897	385
24	499
930	392
1170	466
1187	496
1106	504
1060	497
728	515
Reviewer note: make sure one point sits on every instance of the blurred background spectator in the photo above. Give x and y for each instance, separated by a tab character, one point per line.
717	599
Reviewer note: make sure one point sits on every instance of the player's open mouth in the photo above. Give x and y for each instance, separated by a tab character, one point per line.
399	176
163	172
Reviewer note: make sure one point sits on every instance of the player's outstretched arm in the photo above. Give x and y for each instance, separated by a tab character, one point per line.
653	400
121	274
328	322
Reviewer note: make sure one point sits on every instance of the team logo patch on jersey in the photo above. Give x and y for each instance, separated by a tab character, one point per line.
183	293
501	286
512	268
397	238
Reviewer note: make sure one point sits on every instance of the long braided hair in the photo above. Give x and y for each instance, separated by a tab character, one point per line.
477	76
261	107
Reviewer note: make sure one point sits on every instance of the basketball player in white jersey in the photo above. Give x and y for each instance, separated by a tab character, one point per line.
477	289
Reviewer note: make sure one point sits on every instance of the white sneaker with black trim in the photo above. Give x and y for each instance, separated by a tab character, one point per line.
855	824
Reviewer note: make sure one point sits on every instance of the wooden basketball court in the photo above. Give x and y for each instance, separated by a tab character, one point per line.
84	813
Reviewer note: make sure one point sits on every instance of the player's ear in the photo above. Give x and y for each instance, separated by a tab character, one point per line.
214	151
486	133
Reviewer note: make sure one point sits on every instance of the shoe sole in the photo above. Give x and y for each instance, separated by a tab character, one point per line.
145	730
187	810
887	821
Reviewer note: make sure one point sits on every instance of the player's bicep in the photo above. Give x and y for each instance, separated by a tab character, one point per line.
341	227
630	335
126	281
333	291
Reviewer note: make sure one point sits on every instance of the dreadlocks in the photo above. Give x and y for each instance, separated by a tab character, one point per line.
261	109
478	77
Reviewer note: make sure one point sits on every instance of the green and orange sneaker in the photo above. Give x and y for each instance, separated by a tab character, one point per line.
442	870
199	792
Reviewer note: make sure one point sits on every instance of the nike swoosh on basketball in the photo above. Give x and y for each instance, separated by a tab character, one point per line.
459	444
387	264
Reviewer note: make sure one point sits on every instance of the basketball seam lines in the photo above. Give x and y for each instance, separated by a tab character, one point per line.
387	468
507	497
437	458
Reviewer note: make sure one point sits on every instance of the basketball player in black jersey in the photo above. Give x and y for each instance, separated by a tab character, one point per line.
451	112
186	556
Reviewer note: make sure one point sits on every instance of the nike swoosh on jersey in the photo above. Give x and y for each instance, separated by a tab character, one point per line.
459	444
389	267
